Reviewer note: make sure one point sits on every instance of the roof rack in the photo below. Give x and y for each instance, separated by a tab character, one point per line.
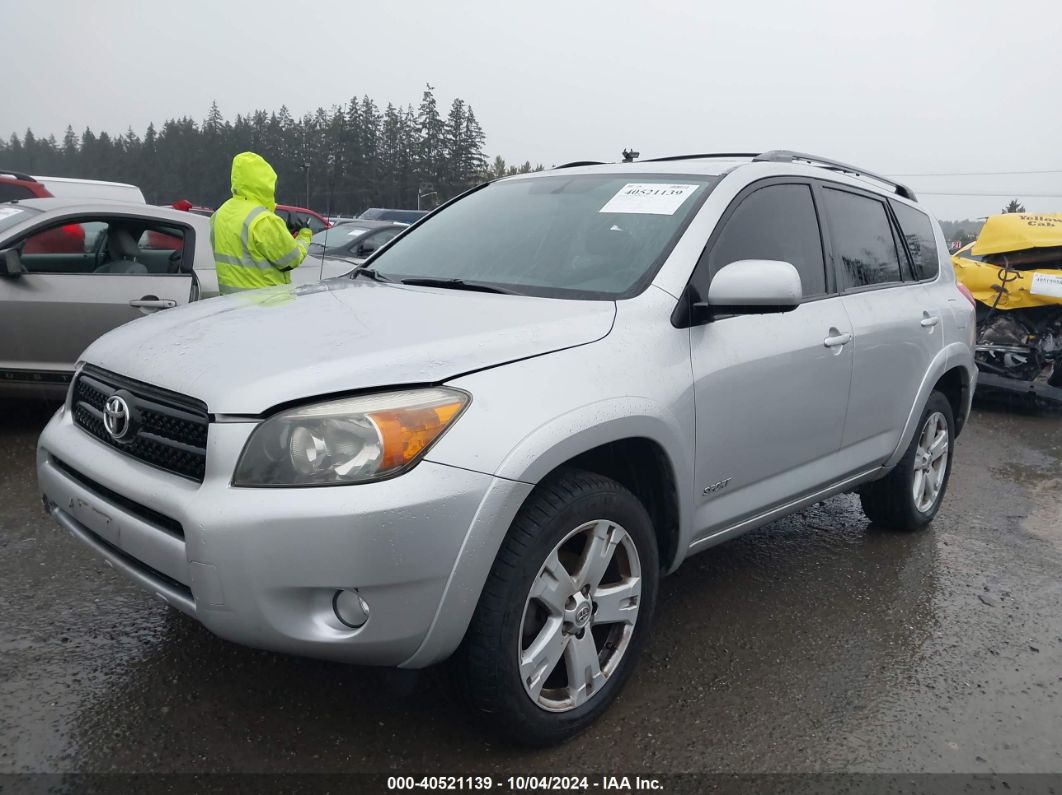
577	163
720	155
785	156
18	175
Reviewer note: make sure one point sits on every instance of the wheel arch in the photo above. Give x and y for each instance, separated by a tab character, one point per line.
638	449
951	372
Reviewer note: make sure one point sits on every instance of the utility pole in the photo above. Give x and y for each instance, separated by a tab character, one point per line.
427	190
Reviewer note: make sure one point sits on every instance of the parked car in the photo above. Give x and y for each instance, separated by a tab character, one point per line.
384	214
296	217
92	189
72	270
495	437
15	186
343	246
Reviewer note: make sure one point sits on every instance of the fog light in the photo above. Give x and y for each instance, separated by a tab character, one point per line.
350	608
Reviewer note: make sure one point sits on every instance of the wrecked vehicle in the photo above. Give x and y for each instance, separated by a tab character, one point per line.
1014	272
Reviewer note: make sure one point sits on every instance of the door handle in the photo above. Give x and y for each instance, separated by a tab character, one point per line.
153	303
836	339
928	320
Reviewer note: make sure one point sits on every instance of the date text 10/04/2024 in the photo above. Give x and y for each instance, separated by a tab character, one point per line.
525	783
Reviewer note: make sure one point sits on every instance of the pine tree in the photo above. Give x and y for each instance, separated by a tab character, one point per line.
358	155
70	148
454	148
475	164
430	147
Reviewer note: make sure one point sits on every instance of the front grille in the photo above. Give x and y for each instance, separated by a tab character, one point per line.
169	432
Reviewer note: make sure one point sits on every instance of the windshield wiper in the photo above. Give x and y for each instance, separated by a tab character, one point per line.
457	284
376	277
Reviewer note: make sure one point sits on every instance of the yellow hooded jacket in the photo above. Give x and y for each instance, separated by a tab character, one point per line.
252	245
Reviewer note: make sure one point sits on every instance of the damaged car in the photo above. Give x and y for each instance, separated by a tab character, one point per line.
1014	273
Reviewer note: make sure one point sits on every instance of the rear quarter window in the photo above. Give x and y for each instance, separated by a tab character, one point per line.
917	230
11	193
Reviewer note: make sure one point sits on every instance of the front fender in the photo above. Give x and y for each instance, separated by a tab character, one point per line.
562	438
533	457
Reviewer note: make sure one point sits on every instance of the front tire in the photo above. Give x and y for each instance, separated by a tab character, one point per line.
909	497
565	611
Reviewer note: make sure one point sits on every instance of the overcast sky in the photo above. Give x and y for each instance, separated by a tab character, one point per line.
899	87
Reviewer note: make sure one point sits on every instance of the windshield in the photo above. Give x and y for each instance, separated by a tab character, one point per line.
339	235
11	215
402	216
584	236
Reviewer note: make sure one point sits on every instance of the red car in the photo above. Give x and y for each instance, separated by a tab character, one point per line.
295	217
69	239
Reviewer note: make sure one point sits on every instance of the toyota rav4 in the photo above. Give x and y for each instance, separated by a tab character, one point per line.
493	438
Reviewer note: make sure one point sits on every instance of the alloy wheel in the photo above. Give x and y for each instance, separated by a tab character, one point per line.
930	462
579	616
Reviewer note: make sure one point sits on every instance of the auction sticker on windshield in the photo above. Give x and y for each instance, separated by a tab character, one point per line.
650	198
1046	284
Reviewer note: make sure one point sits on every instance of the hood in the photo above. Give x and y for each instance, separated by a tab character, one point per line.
1009	232
253	178
248	352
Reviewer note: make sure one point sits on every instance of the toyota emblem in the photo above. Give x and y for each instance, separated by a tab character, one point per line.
116	417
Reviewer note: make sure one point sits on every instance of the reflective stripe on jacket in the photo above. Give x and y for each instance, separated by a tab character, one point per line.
252	245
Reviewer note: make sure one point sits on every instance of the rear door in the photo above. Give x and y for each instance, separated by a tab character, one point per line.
895	321
78	283
771	390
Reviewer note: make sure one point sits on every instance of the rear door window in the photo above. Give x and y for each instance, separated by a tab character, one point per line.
775	222
863	240
917	230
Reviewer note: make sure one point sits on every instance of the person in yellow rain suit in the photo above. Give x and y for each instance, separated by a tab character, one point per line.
252	245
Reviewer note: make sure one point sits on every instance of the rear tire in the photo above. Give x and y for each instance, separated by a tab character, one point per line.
909	497
565	611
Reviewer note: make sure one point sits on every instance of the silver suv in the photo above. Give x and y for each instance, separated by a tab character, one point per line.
494	437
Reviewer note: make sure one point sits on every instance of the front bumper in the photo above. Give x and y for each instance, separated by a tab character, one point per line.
261	566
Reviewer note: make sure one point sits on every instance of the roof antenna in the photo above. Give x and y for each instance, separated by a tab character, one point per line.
629	155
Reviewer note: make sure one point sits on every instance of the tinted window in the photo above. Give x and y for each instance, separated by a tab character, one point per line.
561	235
777	222
862	239
917	230
10	193
312	222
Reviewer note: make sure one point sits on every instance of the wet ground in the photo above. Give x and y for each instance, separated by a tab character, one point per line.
815	644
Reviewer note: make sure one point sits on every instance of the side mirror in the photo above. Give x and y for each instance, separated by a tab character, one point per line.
365	249
12	263
755	287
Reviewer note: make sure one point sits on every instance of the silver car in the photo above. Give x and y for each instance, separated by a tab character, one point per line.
494	438
73	269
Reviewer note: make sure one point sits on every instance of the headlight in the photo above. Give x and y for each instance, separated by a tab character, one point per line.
351	440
